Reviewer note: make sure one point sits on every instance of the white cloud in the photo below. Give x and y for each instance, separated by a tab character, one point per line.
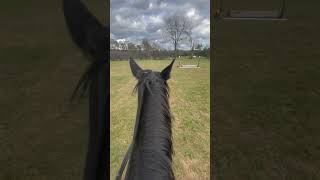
155	19
193	15
191	12
203	28
121	40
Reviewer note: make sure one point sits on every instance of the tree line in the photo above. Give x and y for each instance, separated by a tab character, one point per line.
124	50
177	30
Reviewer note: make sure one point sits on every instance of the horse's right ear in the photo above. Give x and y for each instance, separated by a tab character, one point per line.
135	68
165	73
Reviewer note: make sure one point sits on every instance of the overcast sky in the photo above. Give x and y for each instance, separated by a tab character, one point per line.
133	20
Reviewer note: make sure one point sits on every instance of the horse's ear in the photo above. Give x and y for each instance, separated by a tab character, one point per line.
86	31
165	73
135	68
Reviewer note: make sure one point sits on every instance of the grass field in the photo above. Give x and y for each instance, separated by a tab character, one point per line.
267	95
190	105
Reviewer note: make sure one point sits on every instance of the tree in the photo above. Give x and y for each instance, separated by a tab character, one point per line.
192	44
198	46
156	46
146	47
123	44
146	44
177	28
131	46
139	47
114	44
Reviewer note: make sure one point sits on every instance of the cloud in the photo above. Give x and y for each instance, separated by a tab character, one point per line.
134	20
141	4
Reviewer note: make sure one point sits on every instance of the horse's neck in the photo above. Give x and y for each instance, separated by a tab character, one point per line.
154	123
152	152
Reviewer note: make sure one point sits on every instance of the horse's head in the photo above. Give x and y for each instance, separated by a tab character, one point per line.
152	135
149	77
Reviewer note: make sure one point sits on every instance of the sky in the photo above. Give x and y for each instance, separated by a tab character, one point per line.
134	20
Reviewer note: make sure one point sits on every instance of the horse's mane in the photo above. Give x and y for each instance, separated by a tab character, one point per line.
162	162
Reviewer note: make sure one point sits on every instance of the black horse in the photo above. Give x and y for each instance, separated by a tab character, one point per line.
150	154
92	38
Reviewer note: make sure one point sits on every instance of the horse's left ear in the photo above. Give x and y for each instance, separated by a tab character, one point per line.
165	73
135	68
85	29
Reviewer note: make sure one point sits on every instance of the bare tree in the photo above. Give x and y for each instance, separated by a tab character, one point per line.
146	44
177	28
156	46
192	44
198	46
146	47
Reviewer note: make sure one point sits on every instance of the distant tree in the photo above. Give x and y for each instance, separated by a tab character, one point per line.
139	47
123	45
131	46
176	29
114	44
156	46
198	46
146	44
192	44
206	51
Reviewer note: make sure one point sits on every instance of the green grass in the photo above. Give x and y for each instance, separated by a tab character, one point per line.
190	105
266	96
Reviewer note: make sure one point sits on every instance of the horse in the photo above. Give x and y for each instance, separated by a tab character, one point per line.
92	38
149	157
